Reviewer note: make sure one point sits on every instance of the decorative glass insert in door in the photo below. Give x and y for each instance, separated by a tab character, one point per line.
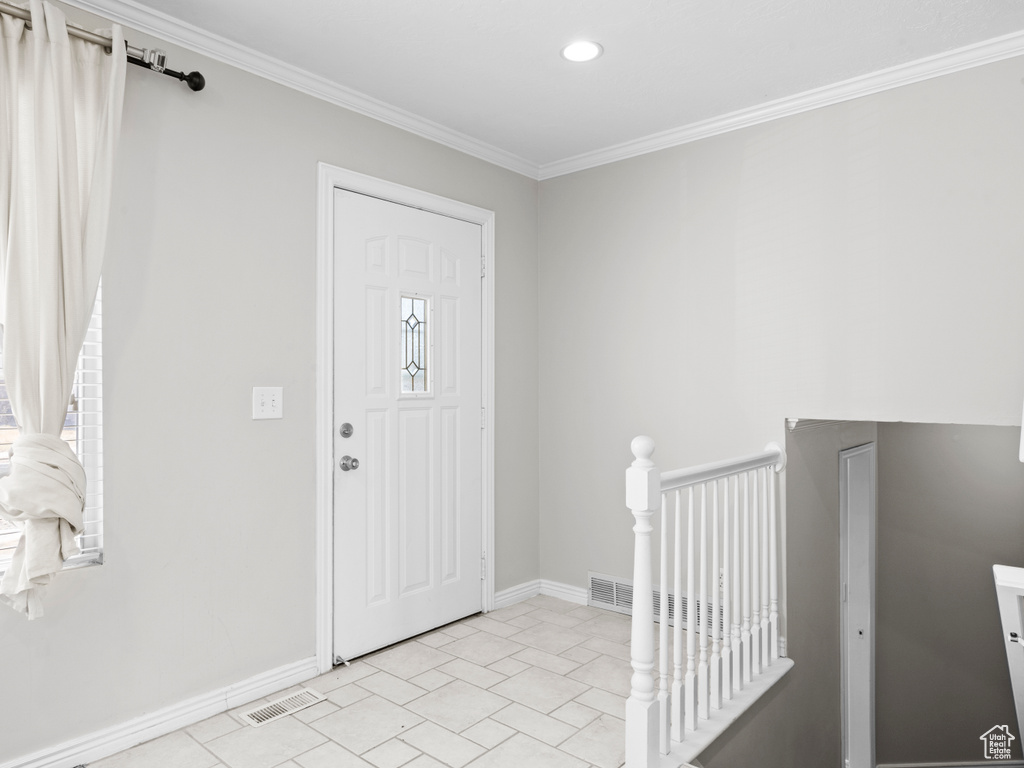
414	344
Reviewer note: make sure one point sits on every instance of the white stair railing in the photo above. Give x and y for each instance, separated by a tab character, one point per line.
726	513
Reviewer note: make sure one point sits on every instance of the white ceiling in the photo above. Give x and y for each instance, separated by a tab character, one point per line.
486	75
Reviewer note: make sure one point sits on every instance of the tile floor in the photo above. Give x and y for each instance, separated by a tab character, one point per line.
540	684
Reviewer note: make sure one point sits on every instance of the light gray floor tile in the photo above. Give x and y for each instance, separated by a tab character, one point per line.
391	754
575	714
550	638
340	676
553	617
458	705
442	744
602	743
611	626
540	689
511	611
523	622
482	677
425	761
458	630
431	680
607	673
330	755
436	639
391	688
408	659
582	655
585	612
483	648
538	658
608	648
348	694
603	701
533	723
522	750
175	750
466	688
309	714
367	723
484	624
488	733
552	603
213	727
509	666
266	746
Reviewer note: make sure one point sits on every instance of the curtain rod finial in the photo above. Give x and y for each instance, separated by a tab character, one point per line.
195	81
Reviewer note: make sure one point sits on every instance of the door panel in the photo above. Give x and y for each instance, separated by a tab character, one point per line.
408	335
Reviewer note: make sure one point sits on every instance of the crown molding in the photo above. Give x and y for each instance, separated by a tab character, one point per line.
177	32
976	55
174	31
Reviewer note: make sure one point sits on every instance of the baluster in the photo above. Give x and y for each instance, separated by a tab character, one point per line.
773	569
726	593
745	634
702	667
690	708
678	726
643	487
737	586
716	606
663	603
755	584
766	534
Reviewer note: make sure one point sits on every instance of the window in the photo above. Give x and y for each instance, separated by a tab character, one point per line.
83	431
414	344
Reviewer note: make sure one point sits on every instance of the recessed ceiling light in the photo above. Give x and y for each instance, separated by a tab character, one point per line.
582	50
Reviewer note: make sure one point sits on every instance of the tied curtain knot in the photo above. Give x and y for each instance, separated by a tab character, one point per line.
44	494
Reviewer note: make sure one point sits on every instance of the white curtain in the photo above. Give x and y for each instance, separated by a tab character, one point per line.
60	118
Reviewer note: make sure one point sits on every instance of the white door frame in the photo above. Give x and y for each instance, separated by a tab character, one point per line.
858	500
329	178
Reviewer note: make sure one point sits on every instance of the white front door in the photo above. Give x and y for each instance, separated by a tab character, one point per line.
407	410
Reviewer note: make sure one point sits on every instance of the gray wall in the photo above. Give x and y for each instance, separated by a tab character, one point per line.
209	289
951	504
797	724
859	262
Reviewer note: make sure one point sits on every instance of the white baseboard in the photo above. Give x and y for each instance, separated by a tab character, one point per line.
530	589
566	592
109	741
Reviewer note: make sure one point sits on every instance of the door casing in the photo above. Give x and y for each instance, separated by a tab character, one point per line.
330	178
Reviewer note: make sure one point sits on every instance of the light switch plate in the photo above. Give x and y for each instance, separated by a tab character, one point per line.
267	402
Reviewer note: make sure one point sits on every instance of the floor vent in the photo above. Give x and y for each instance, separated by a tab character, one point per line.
286	705
615	594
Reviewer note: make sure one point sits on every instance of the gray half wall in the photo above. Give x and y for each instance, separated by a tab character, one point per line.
951	504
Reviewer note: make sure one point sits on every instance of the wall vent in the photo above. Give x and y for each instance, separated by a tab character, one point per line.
286	705
615	594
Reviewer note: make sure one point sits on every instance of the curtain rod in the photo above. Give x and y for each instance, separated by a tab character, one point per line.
142	57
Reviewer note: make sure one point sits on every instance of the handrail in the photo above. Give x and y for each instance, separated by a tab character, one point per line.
773	454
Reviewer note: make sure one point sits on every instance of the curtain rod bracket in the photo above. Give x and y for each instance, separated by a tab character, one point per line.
156	60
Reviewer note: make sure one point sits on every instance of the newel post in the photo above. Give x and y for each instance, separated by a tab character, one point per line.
643	491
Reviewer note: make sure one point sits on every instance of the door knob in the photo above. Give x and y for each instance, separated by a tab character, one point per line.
347	463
